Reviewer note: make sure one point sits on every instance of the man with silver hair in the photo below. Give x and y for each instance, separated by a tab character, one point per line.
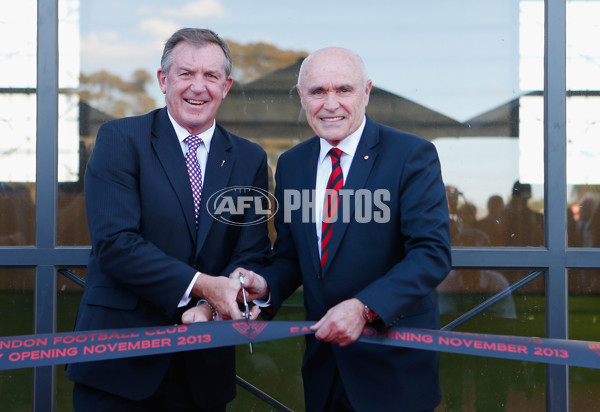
156	250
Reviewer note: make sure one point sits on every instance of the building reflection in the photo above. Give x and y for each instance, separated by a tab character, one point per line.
268	111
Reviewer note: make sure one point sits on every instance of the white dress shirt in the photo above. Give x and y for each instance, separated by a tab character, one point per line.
348	147
202	154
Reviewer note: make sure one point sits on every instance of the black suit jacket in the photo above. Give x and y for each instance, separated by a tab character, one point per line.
146	250
392	264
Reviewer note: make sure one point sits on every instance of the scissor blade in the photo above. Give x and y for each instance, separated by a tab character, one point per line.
246	307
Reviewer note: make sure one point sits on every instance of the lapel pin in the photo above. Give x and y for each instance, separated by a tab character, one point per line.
223	162
366	157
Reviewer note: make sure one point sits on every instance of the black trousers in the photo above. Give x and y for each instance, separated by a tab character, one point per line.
173	395
338	401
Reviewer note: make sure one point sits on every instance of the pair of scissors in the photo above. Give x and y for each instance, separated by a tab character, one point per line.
246	307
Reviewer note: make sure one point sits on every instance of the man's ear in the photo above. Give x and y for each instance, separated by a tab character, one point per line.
162	80
227	86
368	92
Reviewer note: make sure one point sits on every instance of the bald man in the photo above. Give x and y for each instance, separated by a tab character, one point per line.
371	250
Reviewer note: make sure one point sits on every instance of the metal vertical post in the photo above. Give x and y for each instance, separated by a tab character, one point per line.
555	190
46	189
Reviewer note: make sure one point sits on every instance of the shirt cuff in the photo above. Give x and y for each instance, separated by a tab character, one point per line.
185	299
261	303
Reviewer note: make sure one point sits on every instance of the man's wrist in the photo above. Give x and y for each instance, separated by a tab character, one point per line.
200	285
211	307
369	314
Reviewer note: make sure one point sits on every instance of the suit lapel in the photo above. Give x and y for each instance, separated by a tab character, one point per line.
216	177
168	150
361	166
308	182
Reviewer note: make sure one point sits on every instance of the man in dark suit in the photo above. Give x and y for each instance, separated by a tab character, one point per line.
378	261
156	249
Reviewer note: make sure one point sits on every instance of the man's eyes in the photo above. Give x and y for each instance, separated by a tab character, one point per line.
208	75
323	92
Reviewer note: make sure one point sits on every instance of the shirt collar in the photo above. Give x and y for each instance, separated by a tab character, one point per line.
347	145
181	133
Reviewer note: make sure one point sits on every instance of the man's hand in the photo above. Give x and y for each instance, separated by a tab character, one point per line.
203	313
256	286
342	324
200	313
221	293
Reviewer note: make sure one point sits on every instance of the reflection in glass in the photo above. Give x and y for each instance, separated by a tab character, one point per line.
473	110
16	317
274	366
477	97
491	384
583	122
73	128
584	219
584	213
77	130
513	224
68	297
584	324
523	226
17	124
17	214
494	167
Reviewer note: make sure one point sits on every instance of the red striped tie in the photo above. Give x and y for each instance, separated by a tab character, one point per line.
332	201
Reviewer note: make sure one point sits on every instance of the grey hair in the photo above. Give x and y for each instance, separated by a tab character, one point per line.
196	37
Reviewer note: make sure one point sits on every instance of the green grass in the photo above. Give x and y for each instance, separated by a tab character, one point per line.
16	318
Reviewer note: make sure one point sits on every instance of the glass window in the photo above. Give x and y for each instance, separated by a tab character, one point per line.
16	314
465	83
492	162
583	125
490	384
584	319
273	367
467	75
17	125
73	127
17	214
69	292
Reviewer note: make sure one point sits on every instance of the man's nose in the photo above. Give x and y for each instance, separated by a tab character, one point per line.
198	84
331	102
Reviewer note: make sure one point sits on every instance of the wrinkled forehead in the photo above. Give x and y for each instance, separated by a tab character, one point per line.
332	69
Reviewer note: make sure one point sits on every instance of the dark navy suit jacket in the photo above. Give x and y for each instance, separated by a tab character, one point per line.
392	265
146	249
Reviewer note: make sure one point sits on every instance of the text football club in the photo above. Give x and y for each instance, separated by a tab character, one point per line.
52	349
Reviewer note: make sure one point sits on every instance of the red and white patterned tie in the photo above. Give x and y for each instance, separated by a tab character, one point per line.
332	201
191	161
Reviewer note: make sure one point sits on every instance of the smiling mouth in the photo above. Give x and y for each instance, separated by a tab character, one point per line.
195	102
332	119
